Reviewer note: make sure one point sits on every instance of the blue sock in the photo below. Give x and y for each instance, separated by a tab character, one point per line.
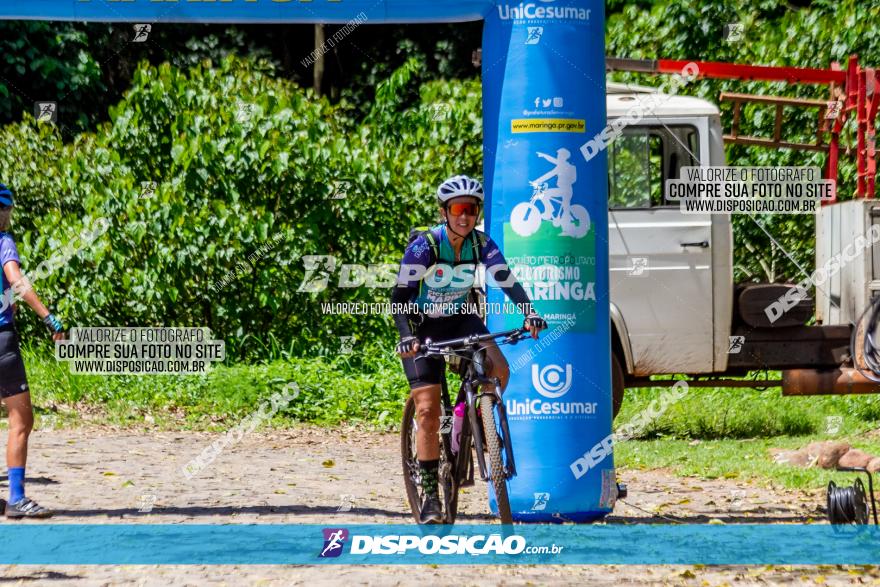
16	484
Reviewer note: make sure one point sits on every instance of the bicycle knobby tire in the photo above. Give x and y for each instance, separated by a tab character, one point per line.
496	462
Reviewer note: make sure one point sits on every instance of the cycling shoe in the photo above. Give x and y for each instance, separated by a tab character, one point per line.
26	508
431	512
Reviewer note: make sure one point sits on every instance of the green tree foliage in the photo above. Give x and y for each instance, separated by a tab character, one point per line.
241	154
86	67
43	61
241	160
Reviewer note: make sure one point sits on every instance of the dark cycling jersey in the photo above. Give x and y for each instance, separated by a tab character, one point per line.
422	371
440	286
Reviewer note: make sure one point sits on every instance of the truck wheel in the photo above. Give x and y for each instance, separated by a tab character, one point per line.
617	384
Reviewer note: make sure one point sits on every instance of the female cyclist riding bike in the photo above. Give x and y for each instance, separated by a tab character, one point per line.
437	277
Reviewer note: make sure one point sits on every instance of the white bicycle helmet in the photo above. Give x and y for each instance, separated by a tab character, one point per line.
460	185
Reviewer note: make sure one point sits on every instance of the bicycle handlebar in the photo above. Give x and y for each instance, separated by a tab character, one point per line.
430	347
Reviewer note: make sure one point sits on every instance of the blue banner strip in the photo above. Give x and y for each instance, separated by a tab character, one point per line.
57	544
248	11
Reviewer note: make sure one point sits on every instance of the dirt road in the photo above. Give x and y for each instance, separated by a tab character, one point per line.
348	476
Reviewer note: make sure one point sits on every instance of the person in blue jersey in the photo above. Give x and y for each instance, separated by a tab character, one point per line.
14	389
436	276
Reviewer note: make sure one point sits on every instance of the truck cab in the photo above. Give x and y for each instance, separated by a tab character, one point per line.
671	273
674	306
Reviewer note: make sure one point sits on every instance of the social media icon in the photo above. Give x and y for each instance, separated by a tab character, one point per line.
541	500
736	344
148	189
639	266
534	34
334	540
141	32
46	111
734	32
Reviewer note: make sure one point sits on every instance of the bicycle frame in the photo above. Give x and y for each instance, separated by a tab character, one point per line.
459	468
475	377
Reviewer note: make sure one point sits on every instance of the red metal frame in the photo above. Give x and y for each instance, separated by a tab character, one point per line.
718	70
856	87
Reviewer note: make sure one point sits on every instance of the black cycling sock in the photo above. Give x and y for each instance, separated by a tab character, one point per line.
428	473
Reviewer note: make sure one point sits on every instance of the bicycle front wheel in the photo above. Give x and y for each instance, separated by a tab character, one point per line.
495	462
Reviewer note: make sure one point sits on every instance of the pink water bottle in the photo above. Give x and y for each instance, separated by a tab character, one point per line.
457	421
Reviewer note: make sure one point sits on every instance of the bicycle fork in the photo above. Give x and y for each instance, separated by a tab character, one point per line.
473	403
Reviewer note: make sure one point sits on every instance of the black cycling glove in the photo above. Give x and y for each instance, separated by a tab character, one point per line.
406	345
533	319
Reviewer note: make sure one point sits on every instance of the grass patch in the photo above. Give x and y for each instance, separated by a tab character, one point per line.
727	433
745	460
709	414
368	388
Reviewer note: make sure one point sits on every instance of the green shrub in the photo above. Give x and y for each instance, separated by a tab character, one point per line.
231	179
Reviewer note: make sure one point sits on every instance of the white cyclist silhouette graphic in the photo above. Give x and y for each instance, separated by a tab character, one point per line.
552	204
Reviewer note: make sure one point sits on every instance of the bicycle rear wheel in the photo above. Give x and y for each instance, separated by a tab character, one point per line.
412	479
496	462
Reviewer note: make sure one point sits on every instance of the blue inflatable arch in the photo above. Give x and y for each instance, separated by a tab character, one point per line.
543	72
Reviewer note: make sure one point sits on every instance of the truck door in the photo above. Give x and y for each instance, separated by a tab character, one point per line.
660	259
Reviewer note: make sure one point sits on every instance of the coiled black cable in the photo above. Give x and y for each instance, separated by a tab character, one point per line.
870	347
847	505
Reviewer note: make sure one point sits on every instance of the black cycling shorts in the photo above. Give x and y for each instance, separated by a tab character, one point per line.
423	371
13	380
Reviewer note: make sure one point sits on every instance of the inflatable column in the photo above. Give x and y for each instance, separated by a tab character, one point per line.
543	98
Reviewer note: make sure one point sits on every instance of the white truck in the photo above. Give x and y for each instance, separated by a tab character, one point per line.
675	308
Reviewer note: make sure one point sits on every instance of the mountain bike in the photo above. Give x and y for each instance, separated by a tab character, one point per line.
483	427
